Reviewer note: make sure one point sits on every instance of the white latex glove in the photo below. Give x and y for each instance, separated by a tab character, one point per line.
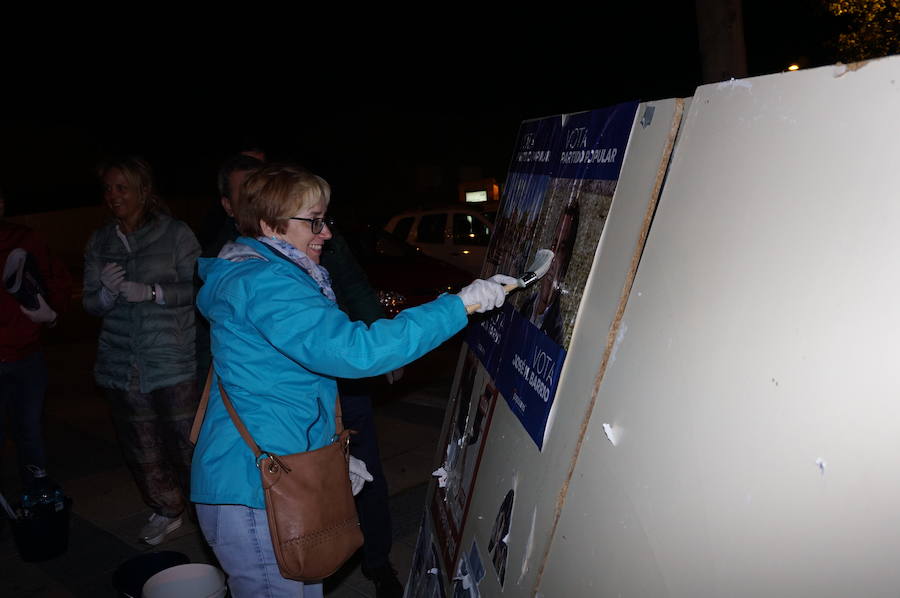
136	291
487	294
112	276
44	314
359	475
394	376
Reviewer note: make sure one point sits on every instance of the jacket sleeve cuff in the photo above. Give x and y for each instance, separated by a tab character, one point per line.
106	298
160	296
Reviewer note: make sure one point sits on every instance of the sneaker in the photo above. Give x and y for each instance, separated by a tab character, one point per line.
157	528
386	583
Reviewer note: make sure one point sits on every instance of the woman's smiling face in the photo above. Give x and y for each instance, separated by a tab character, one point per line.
121	197
299	232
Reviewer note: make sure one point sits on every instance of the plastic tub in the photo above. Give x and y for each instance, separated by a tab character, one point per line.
186	581
131	575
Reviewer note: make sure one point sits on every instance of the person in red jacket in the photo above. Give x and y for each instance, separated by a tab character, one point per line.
35	289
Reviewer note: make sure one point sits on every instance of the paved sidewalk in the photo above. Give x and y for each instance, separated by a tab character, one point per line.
108	512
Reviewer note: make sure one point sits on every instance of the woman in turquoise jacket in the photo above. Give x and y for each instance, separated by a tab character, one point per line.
278	343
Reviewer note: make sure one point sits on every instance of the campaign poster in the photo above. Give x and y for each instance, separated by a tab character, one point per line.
425	577
533	162
557	196
517	222
486	336
498	546
472	408
528	376
469	573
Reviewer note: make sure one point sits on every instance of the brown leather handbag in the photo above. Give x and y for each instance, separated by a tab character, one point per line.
309	504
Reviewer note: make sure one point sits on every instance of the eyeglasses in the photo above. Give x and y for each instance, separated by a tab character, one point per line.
315	224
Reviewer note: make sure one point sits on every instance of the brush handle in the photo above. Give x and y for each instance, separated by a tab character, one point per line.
507	288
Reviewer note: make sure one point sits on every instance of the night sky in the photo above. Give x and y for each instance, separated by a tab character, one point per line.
392	117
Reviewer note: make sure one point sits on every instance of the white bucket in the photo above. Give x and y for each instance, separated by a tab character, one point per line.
193	580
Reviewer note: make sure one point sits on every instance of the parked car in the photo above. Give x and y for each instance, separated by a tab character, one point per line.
400	274
458	235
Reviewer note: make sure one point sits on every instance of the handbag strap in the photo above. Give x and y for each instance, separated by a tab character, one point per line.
201	408
338	416
237	421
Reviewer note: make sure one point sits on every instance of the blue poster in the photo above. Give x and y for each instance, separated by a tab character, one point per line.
538	146
528	375
486	335
557	195
534	160
594	143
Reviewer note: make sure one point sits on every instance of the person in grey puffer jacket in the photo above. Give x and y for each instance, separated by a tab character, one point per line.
139	277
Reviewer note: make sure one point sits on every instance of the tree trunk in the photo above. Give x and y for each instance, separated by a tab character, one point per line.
720	29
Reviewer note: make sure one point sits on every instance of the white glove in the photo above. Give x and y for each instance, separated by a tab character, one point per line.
503	279
112	276
44	314
136	291
487	294
359	475
394	376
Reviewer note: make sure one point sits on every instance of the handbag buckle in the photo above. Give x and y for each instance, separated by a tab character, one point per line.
273	463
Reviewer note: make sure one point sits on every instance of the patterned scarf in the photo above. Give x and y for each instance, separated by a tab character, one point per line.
318	273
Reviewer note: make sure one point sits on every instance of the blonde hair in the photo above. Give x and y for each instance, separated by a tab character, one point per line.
139	175
276	192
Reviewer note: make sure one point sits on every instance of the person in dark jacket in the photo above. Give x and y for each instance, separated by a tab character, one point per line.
231	174
356	298
25	308
139	277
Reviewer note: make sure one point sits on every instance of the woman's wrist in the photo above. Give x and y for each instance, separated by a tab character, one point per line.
156	294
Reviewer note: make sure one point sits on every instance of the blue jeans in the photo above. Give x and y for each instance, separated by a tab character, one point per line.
240	538
23	385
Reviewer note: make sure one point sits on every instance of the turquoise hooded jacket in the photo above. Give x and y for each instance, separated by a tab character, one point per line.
278	344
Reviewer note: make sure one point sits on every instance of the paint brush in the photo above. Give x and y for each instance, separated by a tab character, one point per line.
539	266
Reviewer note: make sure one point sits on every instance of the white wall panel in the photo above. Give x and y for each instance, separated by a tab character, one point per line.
755	393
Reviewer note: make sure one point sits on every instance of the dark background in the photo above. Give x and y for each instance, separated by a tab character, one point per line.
393	116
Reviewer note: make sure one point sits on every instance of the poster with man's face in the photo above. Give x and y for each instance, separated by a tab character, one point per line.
557	196
562	207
